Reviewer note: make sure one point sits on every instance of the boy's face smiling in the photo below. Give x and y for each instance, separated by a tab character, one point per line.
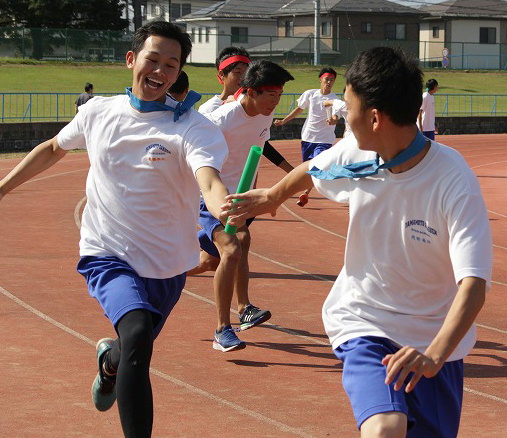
155	67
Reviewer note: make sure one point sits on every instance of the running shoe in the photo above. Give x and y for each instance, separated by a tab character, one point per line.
103	388
253	316
226	340
303	200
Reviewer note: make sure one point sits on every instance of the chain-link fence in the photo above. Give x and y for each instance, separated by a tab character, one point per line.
110	46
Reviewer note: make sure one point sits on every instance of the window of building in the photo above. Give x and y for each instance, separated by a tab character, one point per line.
180	9
436	31
155	10
239	34
208	31
175	11
192	34
395	31
199	35
186	8
487	35
366	27
325	28
289	28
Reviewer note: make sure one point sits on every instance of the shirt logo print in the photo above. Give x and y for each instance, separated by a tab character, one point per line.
420	231
157	152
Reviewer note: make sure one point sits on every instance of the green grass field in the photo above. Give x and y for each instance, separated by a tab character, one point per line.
59	77
455	97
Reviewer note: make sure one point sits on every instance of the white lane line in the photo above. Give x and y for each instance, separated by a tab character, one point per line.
194	389
483	394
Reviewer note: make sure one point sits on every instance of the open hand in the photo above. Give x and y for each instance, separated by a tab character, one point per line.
405	361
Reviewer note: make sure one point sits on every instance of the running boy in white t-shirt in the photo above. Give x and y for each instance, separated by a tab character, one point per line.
418	260
231	65
149	158
244	123
317	134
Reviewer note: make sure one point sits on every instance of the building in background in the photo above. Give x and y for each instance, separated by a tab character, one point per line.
473	32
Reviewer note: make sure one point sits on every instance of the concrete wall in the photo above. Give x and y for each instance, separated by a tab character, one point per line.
25	136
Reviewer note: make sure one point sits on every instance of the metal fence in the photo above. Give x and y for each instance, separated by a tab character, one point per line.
46	107
111	46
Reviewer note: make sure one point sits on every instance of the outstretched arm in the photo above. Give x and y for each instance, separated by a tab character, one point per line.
292	115
261	201
276	157
39	159
212	188
464	309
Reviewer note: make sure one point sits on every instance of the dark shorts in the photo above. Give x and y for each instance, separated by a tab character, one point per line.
119	289
311	150
433	407
429	134
208	223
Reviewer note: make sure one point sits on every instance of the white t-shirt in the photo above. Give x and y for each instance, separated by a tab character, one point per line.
211	105
143	199
339	108
428	109
241	132
412	237
316	129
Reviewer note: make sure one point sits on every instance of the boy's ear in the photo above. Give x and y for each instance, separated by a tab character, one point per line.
129	58
221	76
251	92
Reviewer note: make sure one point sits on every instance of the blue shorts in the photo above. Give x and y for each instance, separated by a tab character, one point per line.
433	407
208	223
119	289
311	150
429	134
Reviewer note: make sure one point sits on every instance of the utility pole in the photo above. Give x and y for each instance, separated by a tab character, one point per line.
169	11
316	45
138	17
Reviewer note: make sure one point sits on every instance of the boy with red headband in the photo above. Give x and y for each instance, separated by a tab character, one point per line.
317	134
231	63
244	123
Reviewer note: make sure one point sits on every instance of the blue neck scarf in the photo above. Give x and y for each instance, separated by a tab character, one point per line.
371	167
180	109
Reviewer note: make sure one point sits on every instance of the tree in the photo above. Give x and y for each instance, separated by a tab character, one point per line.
78	14
60	14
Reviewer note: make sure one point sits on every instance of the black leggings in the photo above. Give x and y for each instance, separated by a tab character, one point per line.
131	357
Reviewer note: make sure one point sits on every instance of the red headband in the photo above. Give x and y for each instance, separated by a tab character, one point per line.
232	60
328	74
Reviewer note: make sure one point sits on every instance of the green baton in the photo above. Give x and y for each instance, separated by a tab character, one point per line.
246	179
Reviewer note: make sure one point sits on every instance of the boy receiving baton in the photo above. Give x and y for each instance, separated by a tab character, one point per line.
232	63
418	259
244	123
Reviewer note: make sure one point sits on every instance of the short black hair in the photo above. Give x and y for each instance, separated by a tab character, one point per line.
164	29
181	85
328	70
387	79
227	52
88	87
261	73
431	83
